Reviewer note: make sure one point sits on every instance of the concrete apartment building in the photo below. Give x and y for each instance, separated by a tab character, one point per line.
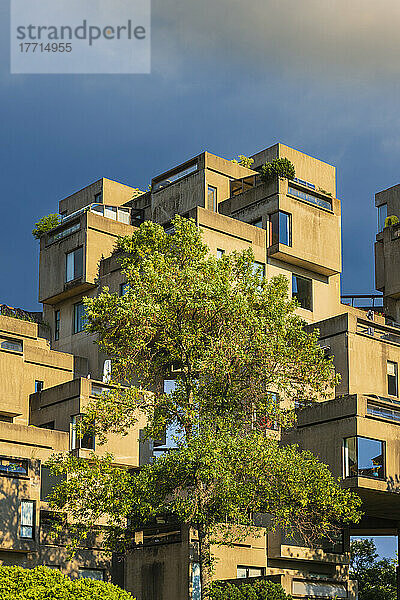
50	371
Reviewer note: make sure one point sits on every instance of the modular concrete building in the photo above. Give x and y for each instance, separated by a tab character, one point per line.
293	228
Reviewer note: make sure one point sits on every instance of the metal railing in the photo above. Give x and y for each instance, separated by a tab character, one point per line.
375	300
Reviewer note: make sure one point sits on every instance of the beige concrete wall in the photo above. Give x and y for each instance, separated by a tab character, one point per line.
61	402
114	193
20	370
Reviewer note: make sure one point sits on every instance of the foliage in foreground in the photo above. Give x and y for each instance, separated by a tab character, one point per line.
376	578
279	167
257	590
237	348
42	583
45	224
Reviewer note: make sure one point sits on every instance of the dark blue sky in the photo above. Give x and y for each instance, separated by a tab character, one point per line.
228	76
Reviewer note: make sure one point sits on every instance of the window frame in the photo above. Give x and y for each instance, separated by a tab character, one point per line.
78	324
39	384
395	376
214	197
74	267
380	224
33	520
92	570
346	470
57	322
308	279
275	228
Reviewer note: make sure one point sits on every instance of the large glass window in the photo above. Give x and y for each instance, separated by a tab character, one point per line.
56	325
48	481
363	457
27	528
302	291
86	442
13	466
281	228
74	264
382	214
212	198
79	317
392	378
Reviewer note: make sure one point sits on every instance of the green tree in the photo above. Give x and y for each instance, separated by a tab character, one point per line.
233	342
45	224
279	167
244	161
376	578
42	583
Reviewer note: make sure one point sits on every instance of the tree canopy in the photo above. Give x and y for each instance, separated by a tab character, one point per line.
376	578
42	583
241	361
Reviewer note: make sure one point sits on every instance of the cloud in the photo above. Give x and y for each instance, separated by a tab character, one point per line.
329	38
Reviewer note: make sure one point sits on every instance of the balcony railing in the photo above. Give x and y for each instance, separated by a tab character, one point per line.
363	301
116	213
379	332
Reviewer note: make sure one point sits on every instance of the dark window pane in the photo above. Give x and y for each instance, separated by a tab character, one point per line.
302	291
78	262
79	317
48	482
274	228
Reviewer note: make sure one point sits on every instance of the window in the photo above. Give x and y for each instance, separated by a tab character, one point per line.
27	528
97	574
79	317
13	466
86	441
258	269
392	378
312	198
281	228
13	345
38	386
123	288
56	325
220	252
74	264
382	214
363	457
99	197
212	198
48	481
242	572
257	223
99	390
302	291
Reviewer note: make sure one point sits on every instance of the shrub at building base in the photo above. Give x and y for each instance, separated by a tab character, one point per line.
257	590
43	583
